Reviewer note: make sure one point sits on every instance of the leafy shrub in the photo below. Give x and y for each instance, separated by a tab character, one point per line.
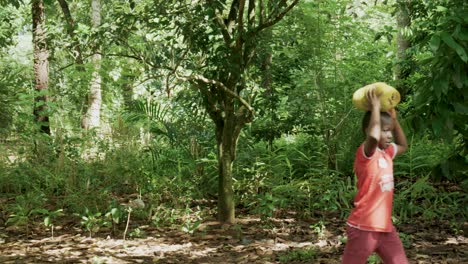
422	156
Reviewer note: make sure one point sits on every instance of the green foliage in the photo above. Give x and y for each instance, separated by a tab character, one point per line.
186	219
137	233
93	222
293	176
149	115
265	205
164	216
416	171
374	259
422	158
315	70
406	239
160	144
25	208
331	193
13	106
440	40
8	24
422	200
319	228
191	220
115	214
50	217
298	255
15	3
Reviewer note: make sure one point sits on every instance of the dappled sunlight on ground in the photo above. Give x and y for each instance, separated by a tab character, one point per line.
251	240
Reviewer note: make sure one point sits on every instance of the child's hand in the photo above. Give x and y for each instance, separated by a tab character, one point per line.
373	98
392	112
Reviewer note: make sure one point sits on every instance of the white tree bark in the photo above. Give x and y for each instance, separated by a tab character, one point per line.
41	66
92	118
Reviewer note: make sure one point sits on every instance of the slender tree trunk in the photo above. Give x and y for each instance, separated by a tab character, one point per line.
403	21
127	92
127	87
70	24
267	85
41	66
92	118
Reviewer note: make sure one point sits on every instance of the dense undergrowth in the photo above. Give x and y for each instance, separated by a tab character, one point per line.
100	184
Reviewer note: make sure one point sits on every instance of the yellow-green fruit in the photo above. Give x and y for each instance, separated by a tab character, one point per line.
389	97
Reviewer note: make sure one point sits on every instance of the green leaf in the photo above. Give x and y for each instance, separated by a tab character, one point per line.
463	35
460	108
441	9
458	76
47	221
454	45
378	36
434	43
15	3
39	211
440	85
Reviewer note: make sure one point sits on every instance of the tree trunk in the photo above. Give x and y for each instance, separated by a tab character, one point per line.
403	21
269	92
41	66
226	208
127	87
226	136
92	118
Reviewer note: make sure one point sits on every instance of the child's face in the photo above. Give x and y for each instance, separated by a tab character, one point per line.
386	136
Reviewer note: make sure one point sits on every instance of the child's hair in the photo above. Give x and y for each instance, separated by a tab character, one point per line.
384	118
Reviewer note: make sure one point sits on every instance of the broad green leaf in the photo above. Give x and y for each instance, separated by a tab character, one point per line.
454	45
440	85
434	43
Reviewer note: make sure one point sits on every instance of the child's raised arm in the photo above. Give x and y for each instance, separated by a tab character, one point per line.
398	133
373	130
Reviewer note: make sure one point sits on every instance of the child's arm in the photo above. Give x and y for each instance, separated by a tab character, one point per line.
373	130
398	133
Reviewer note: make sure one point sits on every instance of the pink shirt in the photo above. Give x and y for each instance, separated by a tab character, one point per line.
374	200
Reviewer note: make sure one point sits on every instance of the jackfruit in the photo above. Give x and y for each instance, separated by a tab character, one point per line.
390	97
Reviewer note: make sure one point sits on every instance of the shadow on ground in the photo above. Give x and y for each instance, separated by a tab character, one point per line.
285	240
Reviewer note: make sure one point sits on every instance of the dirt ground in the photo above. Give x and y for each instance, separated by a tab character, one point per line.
282	240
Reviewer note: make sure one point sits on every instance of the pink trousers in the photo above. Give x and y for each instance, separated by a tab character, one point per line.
361	244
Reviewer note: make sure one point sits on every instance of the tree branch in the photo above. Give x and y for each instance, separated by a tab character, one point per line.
224	30
218	85
251	15
273	20
240	23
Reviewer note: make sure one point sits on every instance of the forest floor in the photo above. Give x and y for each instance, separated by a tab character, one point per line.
250	240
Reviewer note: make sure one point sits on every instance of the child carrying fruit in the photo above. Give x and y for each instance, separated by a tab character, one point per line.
369	227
